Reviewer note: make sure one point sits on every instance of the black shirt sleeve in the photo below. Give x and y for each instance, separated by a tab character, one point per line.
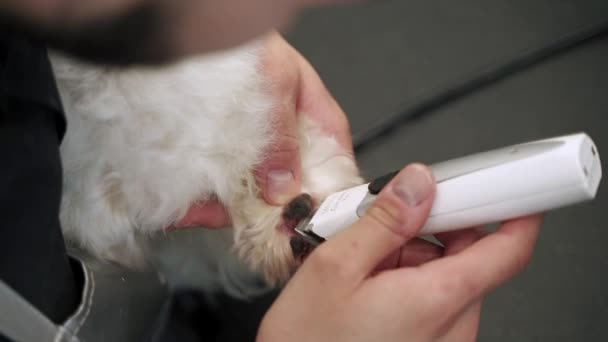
33	258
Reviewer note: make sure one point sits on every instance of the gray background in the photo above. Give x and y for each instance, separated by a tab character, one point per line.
376	58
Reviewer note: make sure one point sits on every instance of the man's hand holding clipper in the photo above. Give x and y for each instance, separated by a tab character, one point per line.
376	282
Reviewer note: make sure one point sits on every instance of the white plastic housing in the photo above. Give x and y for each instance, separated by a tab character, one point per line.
489	187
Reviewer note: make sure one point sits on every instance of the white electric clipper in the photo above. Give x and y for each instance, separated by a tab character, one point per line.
483	188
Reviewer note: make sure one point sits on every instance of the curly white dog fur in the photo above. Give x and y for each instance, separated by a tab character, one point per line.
144	144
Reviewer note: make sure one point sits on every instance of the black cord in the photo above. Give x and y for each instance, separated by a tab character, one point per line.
439	97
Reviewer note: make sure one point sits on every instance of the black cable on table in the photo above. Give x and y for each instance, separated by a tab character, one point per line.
442	96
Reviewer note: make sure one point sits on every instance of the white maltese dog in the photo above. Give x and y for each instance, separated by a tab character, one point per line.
145	144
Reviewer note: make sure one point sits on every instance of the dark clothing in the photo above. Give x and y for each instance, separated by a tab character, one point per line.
33	258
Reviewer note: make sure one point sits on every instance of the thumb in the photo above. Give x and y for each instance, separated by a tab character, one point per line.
279	175
396	217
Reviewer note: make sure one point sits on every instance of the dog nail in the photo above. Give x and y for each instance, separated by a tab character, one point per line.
298	208
299	246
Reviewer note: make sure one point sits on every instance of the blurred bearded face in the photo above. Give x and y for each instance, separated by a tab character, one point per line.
148	31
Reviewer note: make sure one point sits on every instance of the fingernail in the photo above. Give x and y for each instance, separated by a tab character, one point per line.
281	186
413	185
